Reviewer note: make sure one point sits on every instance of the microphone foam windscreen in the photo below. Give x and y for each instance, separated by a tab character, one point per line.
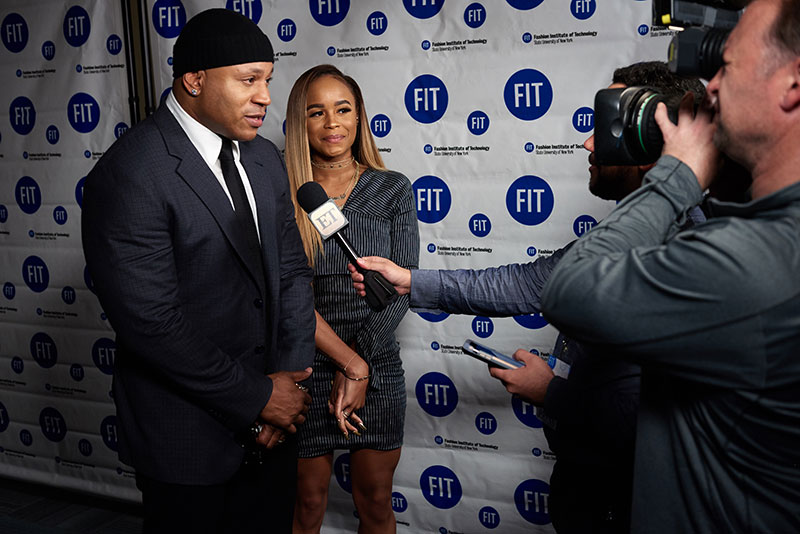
310	196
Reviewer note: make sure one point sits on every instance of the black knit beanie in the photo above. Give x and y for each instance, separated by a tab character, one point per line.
218	38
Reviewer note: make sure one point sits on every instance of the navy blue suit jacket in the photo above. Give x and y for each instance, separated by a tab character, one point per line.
198	326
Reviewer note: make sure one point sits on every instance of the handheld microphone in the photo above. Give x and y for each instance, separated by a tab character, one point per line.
329	221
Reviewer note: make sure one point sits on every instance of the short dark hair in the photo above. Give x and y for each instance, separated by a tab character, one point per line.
786	29
657	74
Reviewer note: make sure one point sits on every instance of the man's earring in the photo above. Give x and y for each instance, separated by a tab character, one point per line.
194	91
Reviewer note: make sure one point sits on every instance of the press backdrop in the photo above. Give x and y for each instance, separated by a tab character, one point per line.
483	105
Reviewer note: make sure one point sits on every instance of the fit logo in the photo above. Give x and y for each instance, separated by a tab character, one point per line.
14	32
433	199
482	327
528	94
377	23
169	17
480	225
529	200
474	15
77	26
426	99
583	120
582	9
329	12
341	469
486	423
436	394
489	517
83	112
532	501
43	350
287	30
103	352
380	125
525	412
108	430
53	425
22	115
440	486
249	8
35	274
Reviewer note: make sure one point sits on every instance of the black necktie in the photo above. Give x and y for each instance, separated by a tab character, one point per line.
241	205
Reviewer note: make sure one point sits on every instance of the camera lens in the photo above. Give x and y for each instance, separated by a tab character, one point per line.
697	52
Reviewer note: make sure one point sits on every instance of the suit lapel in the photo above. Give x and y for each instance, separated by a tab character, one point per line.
194	171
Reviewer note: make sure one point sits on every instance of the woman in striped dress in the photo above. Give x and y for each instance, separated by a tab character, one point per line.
358	388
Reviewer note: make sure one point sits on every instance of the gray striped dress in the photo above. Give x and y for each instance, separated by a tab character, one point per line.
383	222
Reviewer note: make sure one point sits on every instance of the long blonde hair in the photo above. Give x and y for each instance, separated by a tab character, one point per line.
298	152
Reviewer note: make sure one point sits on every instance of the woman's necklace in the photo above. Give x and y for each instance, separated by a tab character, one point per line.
350	185
334	164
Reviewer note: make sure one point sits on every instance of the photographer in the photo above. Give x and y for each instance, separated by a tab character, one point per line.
713	313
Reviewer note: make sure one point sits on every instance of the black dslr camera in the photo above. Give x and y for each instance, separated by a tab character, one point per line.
625	130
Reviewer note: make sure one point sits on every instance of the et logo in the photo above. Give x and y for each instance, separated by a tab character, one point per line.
532	500
76	372
114	44
60	215
53	425
249	8
85	447
399	502
582	9
9	290
22	115
423	9
583	224
68	295
329	12
169	17
17	365
79	191
103	352
475	15
528	94
377	23
482	327
52	134
533	321
341	469
486	423
44	350
440	487
436	394
35	274
433	199
380	125
14	33
48	50
77	26
525	412
524	5
3	418
480	225
489	517
643	29
478	122
287	30
530	200
108	431
83	112
3	213
28	195
426	98
583	120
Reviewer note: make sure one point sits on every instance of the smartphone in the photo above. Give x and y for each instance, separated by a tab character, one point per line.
490	356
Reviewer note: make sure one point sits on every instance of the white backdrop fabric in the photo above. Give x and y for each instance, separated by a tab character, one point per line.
483	105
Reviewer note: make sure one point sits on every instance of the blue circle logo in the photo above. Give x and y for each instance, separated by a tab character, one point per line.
482	327
17	365
14	32
583	120
440	487
83	112
532	501
88	279
22	115
524	5
425	45
399	502
475	15
28	195
428	149
77	26
9	290
103	352
426	98
329	12
341	469
331	51
52	134
435	345
423	9
489	517
480	225
528	94
35	274
44	350
583	224
434	317
79	191
380	125
120	129
287	30
436	394
25	437
68	295
533	321
644	29
52	423
525	412
377	23
529	147
85	447
48	50
77	372
431	248
60	215
169	17
527	37
582	9
3	418
433	199
529	200
108	430
536	451
249	8
478	122
114	44
486	423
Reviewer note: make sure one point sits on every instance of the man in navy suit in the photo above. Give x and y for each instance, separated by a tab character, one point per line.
190	238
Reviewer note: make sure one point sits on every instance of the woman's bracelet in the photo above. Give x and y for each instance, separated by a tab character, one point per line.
359	379
348	361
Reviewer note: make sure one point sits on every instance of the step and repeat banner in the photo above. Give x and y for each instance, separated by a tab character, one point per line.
483	105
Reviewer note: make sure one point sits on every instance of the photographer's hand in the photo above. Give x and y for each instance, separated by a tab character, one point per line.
691	141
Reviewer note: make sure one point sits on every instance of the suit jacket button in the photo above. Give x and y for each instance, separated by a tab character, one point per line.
258	303
260	349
